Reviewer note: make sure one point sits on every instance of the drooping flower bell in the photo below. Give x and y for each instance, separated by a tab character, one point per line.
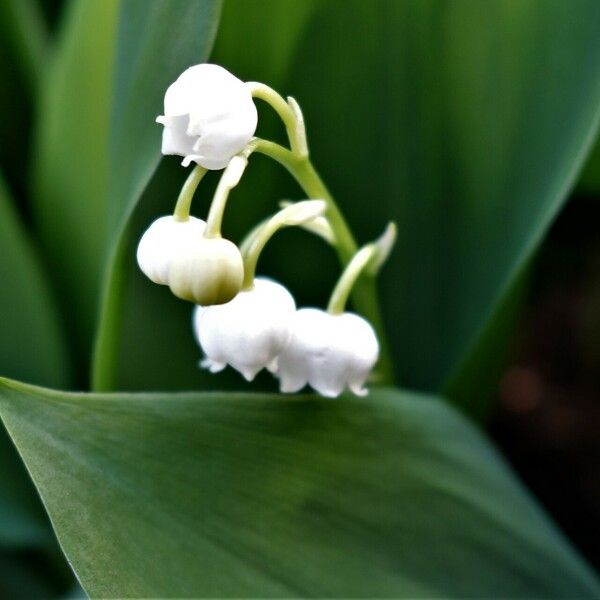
333	350
329	352
209	116
247	333
166	239
198	269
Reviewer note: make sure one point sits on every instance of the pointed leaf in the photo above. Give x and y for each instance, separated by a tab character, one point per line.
464	122
245	495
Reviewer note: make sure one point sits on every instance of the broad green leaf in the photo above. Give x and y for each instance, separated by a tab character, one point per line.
72	162
465	122
215	495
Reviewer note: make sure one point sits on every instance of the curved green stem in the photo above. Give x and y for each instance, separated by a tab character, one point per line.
184	201
364	293
339	296
295	214
229	179
289	113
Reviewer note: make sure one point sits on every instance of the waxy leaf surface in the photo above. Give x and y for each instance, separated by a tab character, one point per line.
166	495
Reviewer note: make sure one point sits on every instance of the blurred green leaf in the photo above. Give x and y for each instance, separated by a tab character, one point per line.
464	121
473	385
22	47
589	182
262	36
247	495
156	42
72	163
98	143
23	30
32	345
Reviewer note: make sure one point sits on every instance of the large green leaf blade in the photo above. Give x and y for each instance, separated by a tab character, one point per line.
234	495
470	125
71	169
464	121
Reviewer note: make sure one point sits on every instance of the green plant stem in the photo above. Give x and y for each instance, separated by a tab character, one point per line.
364	293
184	201
293	125
295	214
353	270
229	179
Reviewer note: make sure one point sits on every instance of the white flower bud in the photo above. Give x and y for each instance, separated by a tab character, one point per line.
329	352
209	272
165	238
202	270
248	332
209	116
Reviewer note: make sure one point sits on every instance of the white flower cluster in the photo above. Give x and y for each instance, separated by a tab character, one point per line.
245	322
261	328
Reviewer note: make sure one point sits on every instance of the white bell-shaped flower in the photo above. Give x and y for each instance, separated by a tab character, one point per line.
209	116
199	269
247	333
328	352
164	240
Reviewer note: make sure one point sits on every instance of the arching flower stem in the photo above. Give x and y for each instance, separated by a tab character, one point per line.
229	179
364	293
184	201
289	112
295	214
353	270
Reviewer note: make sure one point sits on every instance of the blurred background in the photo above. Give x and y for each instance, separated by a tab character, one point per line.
547	412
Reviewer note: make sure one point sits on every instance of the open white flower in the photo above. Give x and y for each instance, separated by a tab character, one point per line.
209	116
247	333
328	352
165	239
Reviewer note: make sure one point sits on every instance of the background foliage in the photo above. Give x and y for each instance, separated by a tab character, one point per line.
464	121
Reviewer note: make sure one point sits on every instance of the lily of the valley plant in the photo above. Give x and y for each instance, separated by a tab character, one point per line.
241	320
